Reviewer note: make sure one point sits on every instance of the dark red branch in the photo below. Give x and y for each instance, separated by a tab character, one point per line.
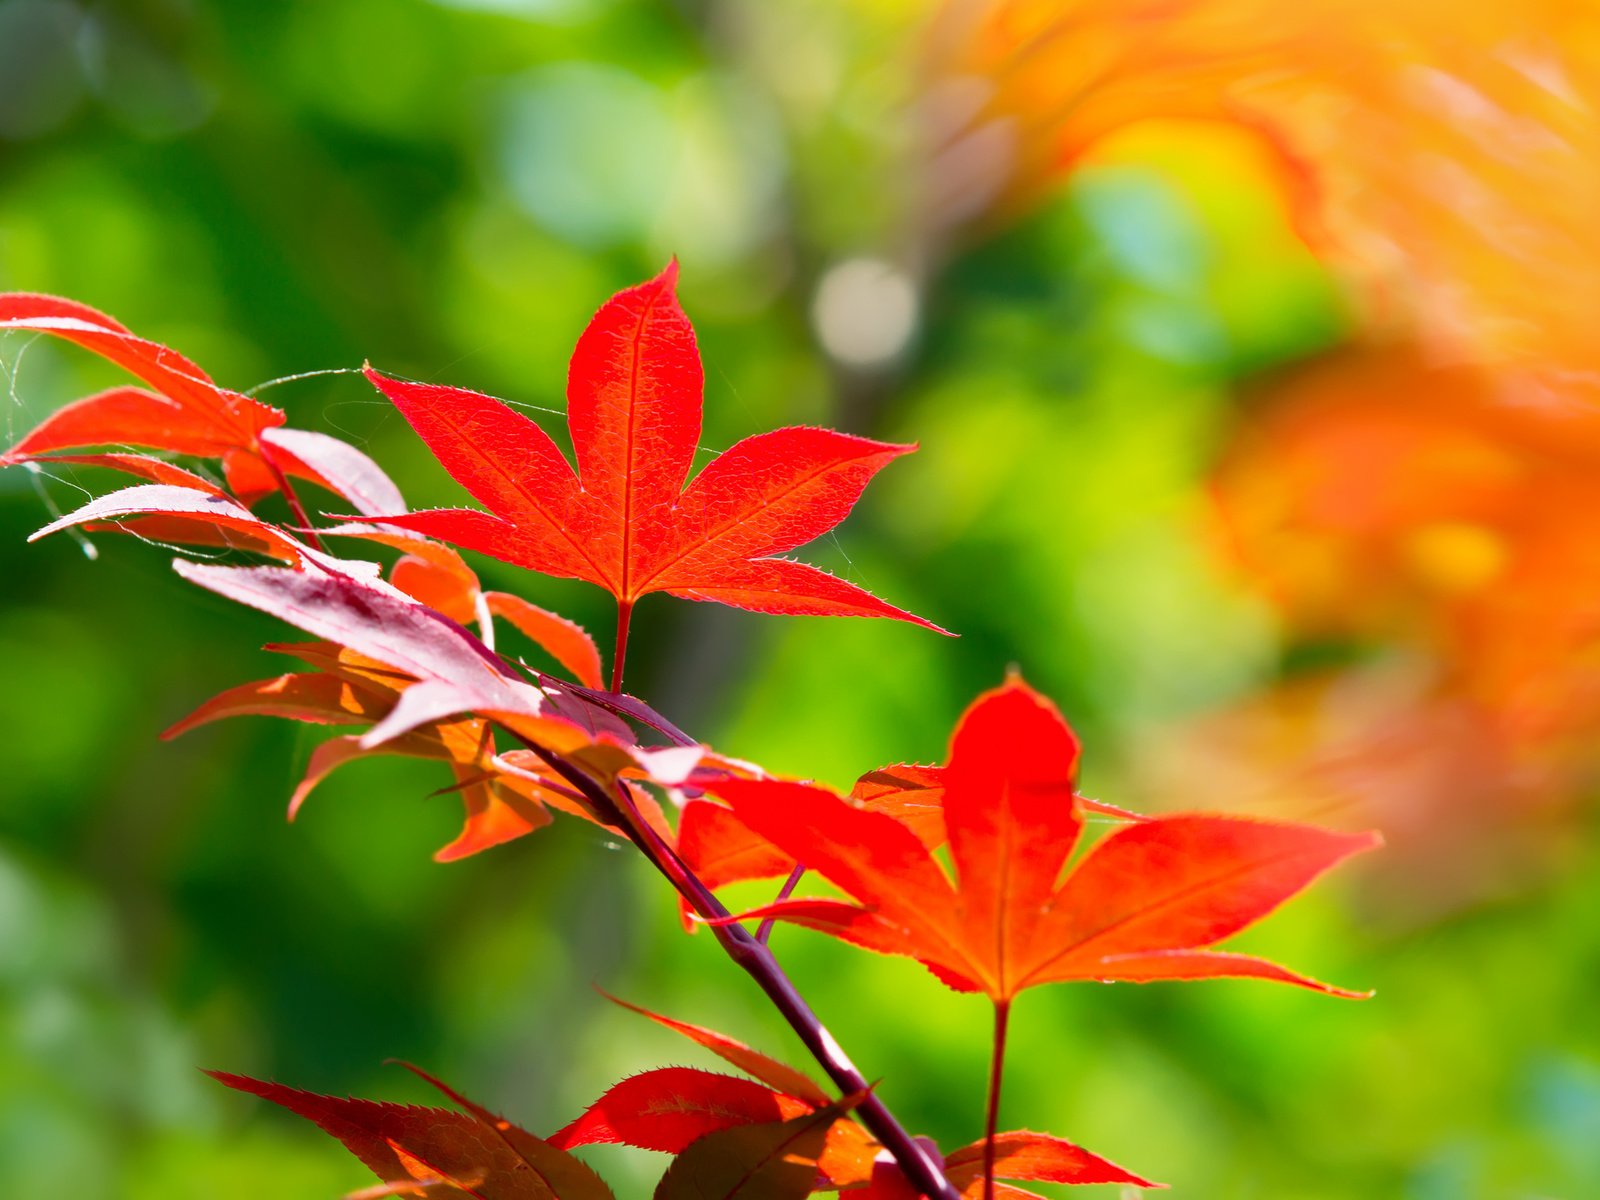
757	961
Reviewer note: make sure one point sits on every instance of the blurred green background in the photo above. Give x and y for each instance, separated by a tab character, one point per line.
449	189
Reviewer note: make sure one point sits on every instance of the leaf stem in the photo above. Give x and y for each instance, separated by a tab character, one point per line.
293	497
764	930
997	1066
620	656
630	707
757	961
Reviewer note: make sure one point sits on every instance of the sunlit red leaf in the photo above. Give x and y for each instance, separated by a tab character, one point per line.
631	526
186	413
299	696
670	1107
156	470
222	417
752	1062
210	514
1034	1157
722	849
1146	902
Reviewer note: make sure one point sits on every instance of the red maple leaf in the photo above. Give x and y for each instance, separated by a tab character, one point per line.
625	519
1147	902
186	413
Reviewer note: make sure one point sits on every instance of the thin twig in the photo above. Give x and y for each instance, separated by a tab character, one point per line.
764	930
622	705
289	494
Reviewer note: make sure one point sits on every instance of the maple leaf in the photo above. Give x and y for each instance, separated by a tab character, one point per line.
456	673
186	413
721	849
668	1109
502	802
775	1160
186	514
1020	1155
444	672
440	578
1145	903
434	1151
625	519
770	1071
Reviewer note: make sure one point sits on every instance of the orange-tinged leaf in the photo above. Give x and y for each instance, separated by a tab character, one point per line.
123	416
1147	902
503	801
205	510
299	696
1172	885
437	576
227	417
774	1161
565	641
911	794
668	1108
156	470
625	520
1035	1157
752	1062
187	413
722	849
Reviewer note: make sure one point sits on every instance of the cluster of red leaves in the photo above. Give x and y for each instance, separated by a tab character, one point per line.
393	655
769	1134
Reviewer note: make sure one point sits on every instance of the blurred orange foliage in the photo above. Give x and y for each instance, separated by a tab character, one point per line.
1434	489
1381	499
1446	156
